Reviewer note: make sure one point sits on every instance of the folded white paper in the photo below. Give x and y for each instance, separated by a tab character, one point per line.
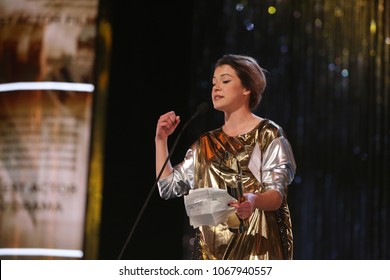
208	206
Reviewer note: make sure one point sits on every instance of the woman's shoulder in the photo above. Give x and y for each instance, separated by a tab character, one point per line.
270	129
212	132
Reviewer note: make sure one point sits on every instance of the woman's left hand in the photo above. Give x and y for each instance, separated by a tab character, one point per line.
245	209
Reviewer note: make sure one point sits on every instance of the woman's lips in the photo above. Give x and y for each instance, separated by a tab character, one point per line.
217	97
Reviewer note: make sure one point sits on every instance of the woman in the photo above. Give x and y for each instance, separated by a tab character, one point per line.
247	152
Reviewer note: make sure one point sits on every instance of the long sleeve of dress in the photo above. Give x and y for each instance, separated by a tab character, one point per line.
278	167
181	180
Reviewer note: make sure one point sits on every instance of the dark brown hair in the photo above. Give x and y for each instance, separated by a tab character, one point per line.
249	72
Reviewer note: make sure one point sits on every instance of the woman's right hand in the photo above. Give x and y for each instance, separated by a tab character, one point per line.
166	125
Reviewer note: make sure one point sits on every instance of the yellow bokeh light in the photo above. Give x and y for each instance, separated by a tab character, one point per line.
271	10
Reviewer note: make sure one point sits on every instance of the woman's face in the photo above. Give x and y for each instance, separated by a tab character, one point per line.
228	94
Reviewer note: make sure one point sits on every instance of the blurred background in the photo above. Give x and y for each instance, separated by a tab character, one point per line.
328	86
328	66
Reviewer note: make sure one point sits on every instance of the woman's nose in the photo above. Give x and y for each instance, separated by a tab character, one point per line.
216	87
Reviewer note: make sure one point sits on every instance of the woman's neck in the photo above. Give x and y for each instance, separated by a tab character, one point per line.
240	123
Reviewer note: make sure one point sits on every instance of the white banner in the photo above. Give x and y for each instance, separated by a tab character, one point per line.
191	269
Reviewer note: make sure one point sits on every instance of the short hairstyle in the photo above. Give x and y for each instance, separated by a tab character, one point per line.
250	73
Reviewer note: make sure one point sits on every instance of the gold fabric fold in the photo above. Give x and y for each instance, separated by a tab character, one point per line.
211	162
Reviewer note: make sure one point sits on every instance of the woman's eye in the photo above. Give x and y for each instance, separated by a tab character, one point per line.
225	82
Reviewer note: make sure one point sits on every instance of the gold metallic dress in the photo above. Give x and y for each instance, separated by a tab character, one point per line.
212	162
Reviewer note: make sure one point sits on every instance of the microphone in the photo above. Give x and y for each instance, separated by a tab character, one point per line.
200	110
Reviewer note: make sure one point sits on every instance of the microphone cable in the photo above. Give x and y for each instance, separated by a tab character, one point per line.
201	109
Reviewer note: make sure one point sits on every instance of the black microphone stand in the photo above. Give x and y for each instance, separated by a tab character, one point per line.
201	108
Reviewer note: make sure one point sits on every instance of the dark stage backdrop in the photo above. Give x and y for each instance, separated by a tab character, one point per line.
328	68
